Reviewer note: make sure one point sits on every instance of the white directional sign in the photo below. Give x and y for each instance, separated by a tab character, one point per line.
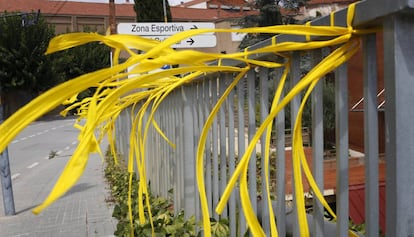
161	28
197	41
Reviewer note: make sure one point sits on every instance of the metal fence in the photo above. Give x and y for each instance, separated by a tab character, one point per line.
182	115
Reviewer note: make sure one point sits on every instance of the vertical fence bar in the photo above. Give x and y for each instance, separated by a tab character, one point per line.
181	160
188	153
222	139
173	151
231	136
149	151
162	116
196	135
264	111
125	134
152	164
342	151
214	140
168	151
294	107
280	164
317	145
251	102
159	168
371	136
241	98
177	137
201	122
207	153
399	84
118	131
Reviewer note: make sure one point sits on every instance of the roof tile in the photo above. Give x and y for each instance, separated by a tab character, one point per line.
102	9
316	2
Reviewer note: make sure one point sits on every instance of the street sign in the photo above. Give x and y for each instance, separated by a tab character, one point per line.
197	41
161	28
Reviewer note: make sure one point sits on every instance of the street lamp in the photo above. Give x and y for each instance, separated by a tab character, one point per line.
28	19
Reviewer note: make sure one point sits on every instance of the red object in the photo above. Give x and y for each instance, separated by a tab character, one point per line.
357	204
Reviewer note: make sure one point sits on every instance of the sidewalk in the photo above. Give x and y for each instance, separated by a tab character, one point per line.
82	211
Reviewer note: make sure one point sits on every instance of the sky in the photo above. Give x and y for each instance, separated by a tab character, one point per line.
171	2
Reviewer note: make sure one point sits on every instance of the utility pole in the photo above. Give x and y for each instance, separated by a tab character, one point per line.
112	20
164	6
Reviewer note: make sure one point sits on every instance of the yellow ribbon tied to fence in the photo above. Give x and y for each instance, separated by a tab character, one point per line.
138	84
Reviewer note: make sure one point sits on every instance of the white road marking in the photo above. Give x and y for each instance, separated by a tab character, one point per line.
67	148
13	177
39	133
33	165
23	138
14	141
73	143
54	128
32	136
59	152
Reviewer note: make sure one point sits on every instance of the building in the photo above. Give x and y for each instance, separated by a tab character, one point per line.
69	16
316	8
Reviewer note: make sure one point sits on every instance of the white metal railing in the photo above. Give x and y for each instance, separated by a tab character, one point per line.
182	115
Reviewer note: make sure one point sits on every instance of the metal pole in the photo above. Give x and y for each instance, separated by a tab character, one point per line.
164	5
6	182
112	20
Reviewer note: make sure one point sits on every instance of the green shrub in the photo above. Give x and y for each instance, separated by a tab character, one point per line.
164	221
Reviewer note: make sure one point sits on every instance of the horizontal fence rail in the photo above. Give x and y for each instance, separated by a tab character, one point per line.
182	115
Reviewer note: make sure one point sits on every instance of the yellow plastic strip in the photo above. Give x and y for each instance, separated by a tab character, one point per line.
308	23
150	87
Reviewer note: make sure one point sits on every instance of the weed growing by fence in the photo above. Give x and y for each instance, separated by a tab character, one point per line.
166	222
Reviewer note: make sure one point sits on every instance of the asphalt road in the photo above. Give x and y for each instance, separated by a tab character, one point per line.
31	148
82	211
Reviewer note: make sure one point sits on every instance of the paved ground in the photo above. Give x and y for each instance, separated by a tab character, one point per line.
83	211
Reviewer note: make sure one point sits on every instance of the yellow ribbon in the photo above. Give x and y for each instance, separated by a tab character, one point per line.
138	83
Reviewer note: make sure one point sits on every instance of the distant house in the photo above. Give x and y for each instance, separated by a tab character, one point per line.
316	8
238	5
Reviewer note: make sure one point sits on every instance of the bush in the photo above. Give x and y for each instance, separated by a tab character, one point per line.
164	221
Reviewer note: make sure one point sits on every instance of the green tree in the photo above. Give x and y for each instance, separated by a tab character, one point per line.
152	10
83	59
24	68
270	14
